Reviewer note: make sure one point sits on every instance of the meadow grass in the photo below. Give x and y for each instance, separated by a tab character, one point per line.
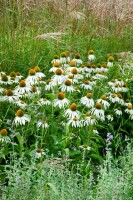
107	30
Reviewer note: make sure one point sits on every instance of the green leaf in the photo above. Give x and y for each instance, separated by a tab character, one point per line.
20	140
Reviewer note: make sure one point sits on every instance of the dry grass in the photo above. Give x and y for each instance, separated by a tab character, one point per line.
64	13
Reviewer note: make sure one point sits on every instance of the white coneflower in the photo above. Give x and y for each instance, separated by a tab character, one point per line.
49	85
58	78
3	136
104	67
21	104
98	112
4	80
22	89
103	100
82	69
124	88
61	101
86	85
13	78
110	61
10	96
77	59
3	132
21	118
111	82
87	100
120	99
95	131
75	122
89	120
85	147
91	56
56	59
63	58
100	75
113	98
39	74
129	110
35	91
118	111
18	76
89	69
72	64
76	74
43	124
71	77
32	78
72	111
98	68
44	101
116	88
38	153
110	118
56	65
67	86
119	81
68	56
92	82
127	103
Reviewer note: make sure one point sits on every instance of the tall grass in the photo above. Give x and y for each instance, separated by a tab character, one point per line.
104	26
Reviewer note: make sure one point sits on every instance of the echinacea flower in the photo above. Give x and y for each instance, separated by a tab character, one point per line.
21	118
75	122
67	86
127	103
129	110
32	78
113	98
23	89
21	104
118	111
49	85
3	132
85	147
56	65
38	153
103	100
10	96
98	112
58	78
86	85
72	111
61	101
110	118
43	124
89	120
110	61
77	59
91	56
87	100
4	80
3	136
56	59
39	74
63	58
44	101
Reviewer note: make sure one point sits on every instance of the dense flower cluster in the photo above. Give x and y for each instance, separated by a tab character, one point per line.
83	94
